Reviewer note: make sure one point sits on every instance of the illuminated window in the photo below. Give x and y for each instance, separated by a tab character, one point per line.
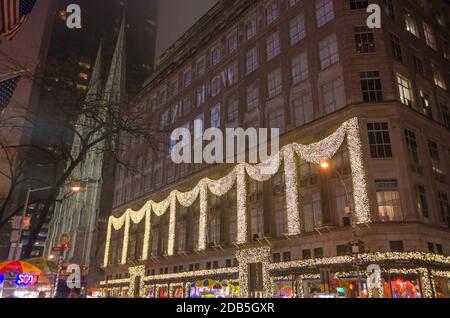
404	87
438	78
388	200
411	25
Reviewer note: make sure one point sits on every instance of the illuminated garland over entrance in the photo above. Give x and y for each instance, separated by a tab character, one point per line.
313	153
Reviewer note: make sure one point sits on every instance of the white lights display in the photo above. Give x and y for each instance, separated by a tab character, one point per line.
250	256
135	272
313	153
263	254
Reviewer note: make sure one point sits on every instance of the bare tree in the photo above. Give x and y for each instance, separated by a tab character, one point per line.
86	123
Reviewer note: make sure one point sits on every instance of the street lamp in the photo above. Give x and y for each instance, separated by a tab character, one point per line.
325	165
16	254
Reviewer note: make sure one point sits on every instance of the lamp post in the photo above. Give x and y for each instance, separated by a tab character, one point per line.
348	210
16	254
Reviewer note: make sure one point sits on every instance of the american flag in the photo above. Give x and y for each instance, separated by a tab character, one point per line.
7	88
14	14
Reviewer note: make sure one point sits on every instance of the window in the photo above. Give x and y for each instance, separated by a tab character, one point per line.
411	143
333	96
216	54
293	2
186	105
312	211
272	12
276	119
404	87
430	247
215	116
187	77
297	31
342	250
303	110
358	4
364	39
396	48
445	115
280	217
201	95
257	222
216	84
444	206
276	257
232	109
422	202
328	51
233	42
306	254
418	65
439	249
273	46
429	36
274	83
388	200
286	256
201	66
434	150
379	140
324	12
318	252
300	70
232	74
411	25
396	246
438	78
250	27
371	86
425	103
251	60
252	96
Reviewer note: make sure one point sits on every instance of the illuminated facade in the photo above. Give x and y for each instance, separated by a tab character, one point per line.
374	106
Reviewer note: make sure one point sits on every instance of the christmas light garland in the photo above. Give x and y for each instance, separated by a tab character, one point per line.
137	271
313	153
255	255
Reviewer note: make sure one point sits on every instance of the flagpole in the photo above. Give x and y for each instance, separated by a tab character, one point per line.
6	76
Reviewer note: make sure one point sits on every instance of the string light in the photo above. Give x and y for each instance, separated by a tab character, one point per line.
251	256
292	197
137	271
313	153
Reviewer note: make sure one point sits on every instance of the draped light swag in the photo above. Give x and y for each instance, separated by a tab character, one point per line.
313	153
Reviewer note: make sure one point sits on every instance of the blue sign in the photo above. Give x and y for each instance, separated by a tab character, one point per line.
2	278
25	279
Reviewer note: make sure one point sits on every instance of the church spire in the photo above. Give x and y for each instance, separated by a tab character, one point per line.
115	84
95	86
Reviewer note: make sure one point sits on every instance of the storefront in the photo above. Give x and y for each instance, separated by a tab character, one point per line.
20	279
283	288
209	288
402	286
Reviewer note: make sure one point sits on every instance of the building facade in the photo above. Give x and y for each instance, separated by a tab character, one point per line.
372	103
